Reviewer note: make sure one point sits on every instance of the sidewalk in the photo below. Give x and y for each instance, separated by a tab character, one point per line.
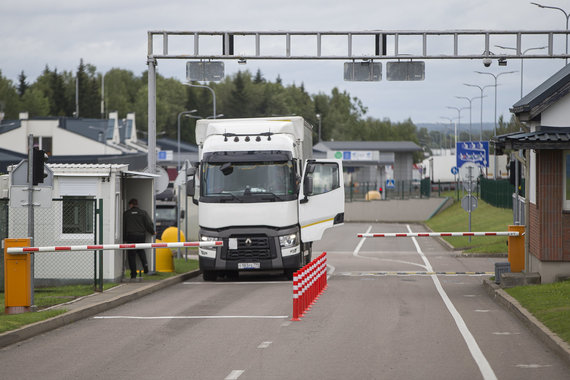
90	305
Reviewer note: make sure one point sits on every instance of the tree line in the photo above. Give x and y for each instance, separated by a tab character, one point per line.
342	117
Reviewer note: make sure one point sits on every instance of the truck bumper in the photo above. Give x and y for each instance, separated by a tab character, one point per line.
256	249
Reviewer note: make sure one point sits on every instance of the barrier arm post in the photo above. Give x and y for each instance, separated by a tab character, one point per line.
18	290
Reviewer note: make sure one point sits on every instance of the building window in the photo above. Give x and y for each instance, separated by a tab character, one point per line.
566	177
78	215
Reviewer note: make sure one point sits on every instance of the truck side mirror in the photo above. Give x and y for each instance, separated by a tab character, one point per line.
308	186
182	214
191	181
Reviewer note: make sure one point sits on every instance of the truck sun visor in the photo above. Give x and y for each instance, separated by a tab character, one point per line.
249	156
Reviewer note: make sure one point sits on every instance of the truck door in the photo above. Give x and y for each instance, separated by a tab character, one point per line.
321	198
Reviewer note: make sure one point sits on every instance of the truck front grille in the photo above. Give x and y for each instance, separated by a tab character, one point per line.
250	248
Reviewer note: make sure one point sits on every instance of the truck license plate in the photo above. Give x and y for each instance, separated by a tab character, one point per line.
249	265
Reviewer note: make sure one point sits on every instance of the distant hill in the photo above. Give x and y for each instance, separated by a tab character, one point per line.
443	124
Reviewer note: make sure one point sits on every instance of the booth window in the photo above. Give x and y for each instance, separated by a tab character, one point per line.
78	215
566	181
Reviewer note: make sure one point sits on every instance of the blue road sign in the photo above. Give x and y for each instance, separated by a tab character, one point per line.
390	184
454	170
476	152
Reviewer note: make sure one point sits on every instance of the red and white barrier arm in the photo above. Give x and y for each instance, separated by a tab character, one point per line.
435	234
189	244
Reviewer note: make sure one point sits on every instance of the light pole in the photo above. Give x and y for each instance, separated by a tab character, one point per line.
496	76
469	100
319	119
481	88
566	15
450	126
458	124
213	95
522	60
178	135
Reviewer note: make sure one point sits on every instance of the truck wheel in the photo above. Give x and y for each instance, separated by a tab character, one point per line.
307	259
210	275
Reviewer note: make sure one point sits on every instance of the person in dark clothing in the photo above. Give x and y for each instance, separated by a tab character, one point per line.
136	223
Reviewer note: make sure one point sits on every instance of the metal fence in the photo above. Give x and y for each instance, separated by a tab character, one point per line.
498	192
67	221
404	189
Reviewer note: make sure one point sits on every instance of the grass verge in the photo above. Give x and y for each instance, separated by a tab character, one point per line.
549	303
51	296
484	218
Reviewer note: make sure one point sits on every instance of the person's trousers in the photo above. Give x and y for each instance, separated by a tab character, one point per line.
132	258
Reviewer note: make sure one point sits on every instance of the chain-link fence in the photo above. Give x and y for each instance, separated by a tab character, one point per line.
67	221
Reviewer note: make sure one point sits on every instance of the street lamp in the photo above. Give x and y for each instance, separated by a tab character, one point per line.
522	60
458	124
450	127
481	88
178	134
319	119
212	91
496	76
565	15
470	100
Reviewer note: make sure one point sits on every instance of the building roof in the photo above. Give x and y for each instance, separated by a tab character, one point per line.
545	138
543	96
382	146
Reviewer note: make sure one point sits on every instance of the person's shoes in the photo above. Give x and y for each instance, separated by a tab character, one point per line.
145	270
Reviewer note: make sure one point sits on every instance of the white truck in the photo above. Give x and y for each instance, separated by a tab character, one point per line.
259	191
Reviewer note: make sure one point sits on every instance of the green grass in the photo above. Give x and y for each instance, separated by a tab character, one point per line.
51	296
549	303
484	218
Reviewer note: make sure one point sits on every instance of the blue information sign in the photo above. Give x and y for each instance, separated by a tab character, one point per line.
454	170
476	152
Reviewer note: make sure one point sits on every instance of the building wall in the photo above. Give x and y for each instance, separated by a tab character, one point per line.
557	114
549	225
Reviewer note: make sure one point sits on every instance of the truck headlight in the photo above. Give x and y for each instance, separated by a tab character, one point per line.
288	241
208	251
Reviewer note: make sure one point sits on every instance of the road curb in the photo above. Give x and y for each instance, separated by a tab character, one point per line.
10	337
553	341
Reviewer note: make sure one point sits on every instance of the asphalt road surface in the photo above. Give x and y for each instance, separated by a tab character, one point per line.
370	323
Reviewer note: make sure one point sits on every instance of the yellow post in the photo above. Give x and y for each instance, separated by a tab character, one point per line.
17	278
164	259
516	249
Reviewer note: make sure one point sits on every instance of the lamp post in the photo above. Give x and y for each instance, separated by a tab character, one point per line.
469	100
566	15
522	60
319	119
481	88
450	127
178	135
496	76
213	95
458	124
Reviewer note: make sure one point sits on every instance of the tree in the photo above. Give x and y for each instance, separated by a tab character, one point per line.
22	84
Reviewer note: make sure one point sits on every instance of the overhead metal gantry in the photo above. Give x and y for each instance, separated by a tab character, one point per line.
369	45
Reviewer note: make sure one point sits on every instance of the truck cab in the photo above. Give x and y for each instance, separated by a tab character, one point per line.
262	194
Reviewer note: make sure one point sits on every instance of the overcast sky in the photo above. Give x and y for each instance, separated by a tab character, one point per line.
113	34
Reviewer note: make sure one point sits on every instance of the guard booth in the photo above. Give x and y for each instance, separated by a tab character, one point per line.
78	194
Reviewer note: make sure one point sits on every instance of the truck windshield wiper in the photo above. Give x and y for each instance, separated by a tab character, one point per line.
231	196
274	196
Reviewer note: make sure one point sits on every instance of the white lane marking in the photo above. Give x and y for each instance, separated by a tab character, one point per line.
264	344
235	374
286	324
532	366
484	366
194	317
330	271
482	311
360	243
505	333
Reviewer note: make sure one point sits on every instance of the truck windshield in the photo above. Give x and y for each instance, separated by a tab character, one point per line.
263	181
166	213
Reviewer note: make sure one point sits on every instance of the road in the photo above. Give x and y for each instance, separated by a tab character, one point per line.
369	324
